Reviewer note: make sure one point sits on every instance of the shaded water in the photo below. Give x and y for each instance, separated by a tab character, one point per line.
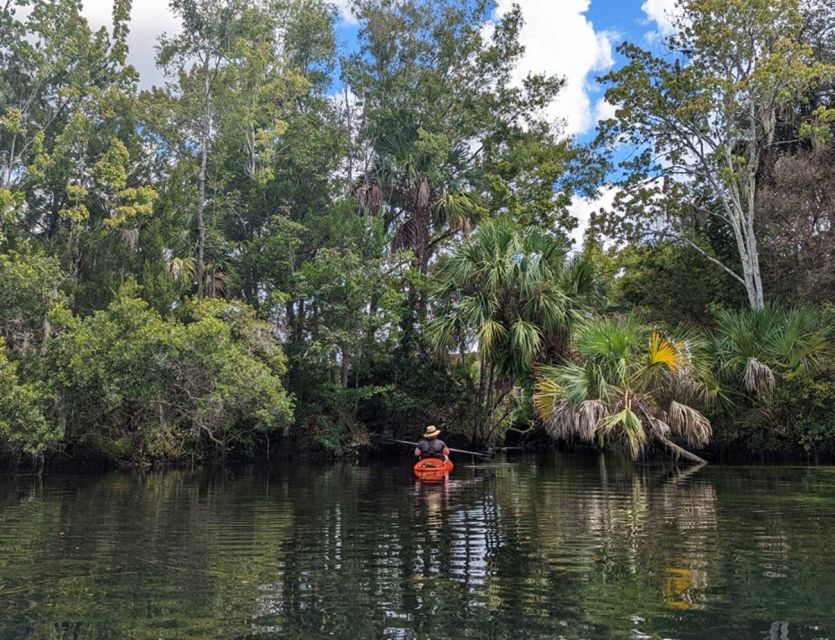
567	547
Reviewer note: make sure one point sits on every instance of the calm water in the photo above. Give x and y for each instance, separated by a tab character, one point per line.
570	547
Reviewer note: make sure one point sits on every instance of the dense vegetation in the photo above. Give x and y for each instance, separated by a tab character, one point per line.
282	243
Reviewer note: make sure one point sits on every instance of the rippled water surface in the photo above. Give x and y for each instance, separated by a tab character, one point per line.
571	547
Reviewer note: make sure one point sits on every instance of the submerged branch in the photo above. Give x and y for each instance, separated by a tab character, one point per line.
680	451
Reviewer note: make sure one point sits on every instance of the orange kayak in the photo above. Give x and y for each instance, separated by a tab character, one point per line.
432	469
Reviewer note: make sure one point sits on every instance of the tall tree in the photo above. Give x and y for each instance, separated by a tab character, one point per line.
703	118
512	294
198	51
443	136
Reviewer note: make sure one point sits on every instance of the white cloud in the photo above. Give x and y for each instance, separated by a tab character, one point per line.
149	19
662	13
583	208
559	39
344	8
603	110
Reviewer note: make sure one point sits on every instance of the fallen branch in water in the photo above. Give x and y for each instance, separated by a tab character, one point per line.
680	451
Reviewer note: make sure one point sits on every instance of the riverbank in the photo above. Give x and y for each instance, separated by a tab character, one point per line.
79	459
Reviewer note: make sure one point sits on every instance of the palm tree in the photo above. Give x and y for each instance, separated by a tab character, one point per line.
756	347
628	384
418	200
513	294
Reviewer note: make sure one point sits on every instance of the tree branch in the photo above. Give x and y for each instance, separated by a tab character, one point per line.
728	270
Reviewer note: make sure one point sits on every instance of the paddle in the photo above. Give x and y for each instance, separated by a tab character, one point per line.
487	456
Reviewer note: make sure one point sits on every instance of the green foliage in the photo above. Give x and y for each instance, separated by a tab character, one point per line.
755	348
29	286
670	283
138	385
23	418
776	368
803	412
627	384
404	245
513	294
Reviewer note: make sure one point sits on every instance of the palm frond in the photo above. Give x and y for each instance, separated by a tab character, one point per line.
589	417
525	340
662	352
489	333
627	426
690	424
560	425
758	377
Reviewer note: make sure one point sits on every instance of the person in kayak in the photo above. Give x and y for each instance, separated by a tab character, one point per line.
431	446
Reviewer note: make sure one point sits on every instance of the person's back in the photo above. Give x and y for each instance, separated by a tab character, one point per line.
430	446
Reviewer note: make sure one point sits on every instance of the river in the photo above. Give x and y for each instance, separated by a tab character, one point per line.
560	546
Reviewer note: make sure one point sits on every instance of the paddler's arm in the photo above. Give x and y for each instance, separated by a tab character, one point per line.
417	451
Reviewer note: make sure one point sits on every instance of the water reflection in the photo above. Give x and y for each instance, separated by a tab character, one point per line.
541	548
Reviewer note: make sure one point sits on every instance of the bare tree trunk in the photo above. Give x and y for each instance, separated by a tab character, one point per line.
480	403
204	157
680	451
344	372
8	184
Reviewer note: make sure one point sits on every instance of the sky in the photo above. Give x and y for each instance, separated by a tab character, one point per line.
575	39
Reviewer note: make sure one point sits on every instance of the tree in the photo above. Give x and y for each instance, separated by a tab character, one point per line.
704	117
442	137
140	386
628	384
23	409
663	283
30	285
796	206
205	43
513	294
754	348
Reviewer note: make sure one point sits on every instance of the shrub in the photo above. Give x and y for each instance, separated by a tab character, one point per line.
134	384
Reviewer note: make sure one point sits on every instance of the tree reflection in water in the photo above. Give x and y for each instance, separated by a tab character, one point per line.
562	546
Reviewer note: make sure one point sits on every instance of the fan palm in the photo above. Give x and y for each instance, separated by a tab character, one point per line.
629	384
404	181
755	347
512	294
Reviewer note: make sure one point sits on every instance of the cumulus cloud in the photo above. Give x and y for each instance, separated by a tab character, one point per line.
662	13
583	208
559	39
149	19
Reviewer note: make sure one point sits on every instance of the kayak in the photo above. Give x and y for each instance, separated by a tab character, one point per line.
432	469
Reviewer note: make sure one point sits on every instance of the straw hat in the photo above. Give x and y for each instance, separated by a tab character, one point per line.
431	432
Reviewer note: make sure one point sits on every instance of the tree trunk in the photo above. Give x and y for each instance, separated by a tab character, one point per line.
680	451
344	372
204	157
480	404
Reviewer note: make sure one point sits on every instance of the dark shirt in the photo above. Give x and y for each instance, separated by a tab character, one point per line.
433	448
